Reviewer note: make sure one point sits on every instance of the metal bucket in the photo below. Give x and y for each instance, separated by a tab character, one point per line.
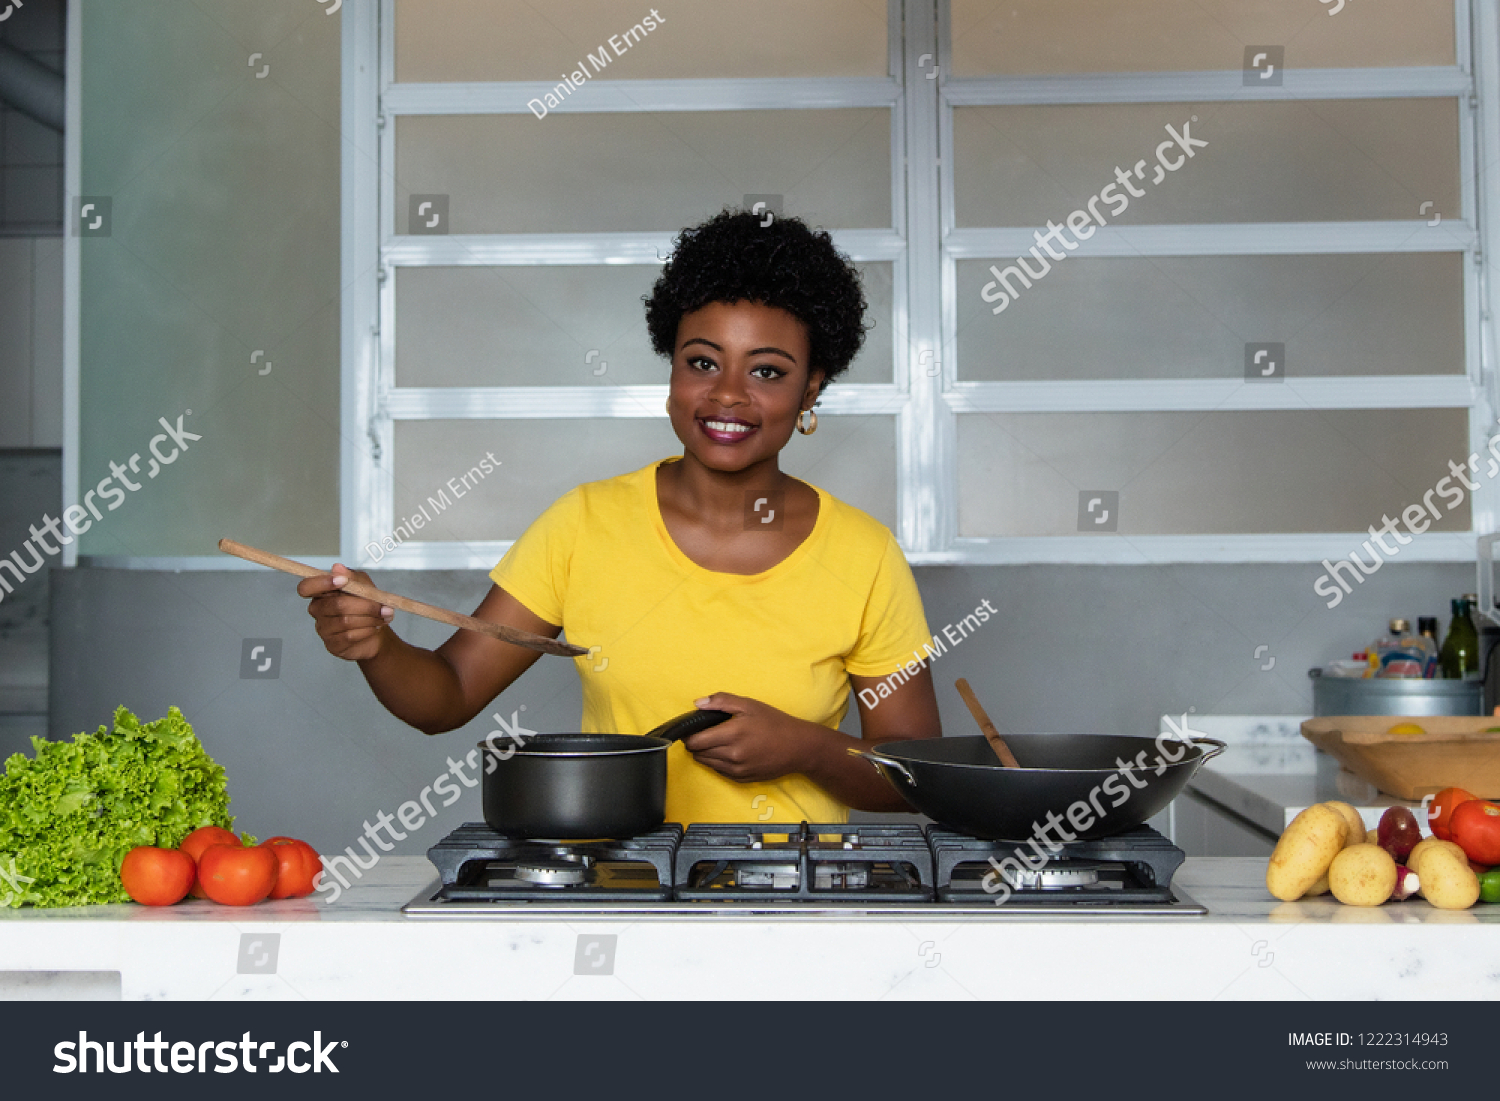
1377	696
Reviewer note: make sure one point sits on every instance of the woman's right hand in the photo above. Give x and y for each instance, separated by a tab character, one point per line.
351	627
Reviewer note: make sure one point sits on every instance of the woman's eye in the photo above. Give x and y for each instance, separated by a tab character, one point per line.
700	363
769	371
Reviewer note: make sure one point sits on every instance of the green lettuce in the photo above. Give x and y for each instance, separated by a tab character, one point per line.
70	814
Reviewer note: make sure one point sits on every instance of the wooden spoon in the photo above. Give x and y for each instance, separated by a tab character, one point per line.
991	735
406	604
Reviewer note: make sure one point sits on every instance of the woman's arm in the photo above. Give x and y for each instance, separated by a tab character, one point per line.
763	743
432	690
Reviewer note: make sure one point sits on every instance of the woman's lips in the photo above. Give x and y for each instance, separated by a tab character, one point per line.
724	430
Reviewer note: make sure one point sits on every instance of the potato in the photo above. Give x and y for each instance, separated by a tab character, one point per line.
1318	888
1305	851
1362	875
1372	837
1422	848
1351	816
1447	880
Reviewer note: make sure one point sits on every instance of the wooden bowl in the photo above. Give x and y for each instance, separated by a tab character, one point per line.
1455	751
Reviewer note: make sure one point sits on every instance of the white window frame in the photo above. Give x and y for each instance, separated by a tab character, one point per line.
1473	390
924	246
372	403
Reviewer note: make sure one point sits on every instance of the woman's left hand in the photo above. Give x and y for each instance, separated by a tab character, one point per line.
758	743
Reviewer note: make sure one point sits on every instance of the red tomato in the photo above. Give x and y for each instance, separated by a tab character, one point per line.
1440	811
235	875
1475	825
157	877
201	838
299	865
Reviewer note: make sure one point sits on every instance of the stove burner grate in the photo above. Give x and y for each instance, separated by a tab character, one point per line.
1132	867
803	863
475	863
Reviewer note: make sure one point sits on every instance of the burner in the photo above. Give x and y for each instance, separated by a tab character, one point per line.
559	870
1058	876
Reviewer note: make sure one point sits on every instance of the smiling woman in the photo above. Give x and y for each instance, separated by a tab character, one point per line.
711	579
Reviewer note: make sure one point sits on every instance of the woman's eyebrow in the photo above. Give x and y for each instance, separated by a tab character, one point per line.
773	351
753	351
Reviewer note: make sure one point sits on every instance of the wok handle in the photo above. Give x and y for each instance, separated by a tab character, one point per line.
1218	747
881	762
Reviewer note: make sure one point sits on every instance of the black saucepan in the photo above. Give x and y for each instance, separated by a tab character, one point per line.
959	783
573	786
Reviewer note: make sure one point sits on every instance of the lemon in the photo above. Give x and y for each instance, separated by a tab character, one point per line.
1406	730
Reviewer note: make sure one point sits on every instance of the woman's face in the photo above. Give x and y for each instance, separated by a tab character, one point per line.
740	377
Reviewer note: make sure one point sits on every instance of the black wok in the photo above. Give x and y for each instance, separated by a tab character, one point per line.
959	783
575	786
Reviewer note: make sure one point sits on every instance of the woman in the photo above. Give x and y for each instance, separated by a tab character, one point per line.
713	579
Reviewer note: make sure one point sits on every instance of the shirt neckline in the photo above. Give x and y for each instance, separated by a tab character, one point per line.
800	551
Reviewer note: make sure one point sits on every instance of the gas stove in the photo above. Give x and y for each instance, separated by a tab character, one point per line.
805	870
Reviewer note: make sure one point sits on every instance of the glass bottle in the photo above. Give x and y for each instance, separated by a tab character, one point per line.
1427	627
1460	654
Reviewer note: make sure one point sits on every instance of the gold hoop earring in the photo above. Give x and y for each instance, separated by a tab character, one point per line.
812	422
669	407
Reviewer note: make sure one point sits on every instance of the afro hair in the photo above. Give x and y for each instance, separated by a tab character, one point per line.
732	257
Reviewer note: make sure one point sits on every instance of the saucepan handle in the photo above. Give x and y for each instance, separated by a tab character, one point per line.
881	762
689	723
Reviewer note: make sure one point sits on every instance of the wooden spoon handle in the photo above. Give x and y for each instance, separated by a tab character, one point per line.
406	604
997	743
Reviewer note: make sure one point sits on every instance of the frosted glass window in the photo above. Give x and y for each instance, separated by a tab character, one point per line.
536	326
1297	161
1029	37
1191	316
645	172
493	40
1208	472
854	458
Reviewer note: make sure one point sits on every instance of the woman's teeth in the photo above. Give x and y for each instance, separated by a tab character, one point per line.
728	426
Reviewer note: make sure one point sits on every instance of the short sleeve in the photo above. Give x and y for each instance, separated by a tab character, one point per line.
893	626
535	569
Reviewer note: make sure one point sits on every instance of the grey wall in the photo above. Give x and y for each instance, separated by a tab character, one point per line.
310	753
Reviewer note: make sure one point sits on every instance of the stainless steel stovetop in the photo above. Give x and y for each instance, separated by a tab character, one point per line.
809	872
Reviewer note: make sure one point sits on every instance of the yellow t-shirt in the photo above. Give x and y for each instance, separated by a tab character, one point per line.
601	563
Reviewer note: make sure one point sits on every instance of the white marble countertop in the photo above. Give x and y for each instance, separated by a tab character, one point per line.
361	947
